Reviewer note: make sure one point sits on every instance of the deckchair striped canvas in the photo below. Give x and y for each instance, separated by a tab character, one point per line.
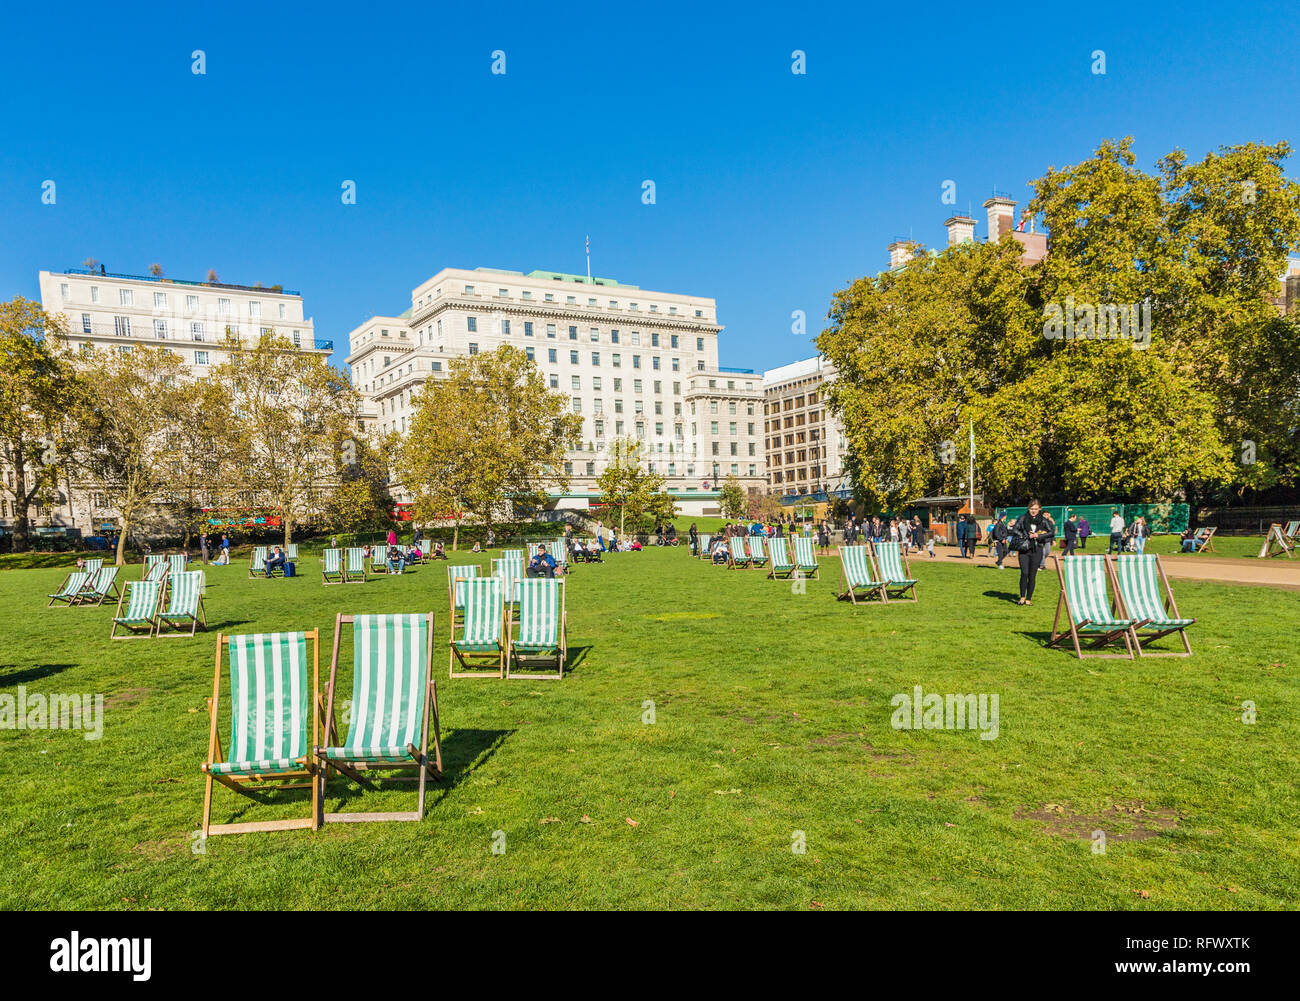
540	636
856	575
757	551
257	562
889	565
184	603
291	551
274	723
152	561
93	566
1142	597
70	589
355	569
739	554
157	572
389	668
141	597
466	570
176	563
705	541
513	554
782	565
101	587
329	567
1085	597
508	571
480	639
561	552
805	556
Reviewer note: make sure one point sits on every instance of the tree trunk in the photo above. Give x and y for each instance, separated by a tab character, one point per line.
119	559
288	531
22	500
455	535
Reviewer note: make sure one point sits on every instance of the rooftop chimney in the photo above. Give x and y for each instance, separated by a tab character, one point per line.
961	229
900	252
1001	211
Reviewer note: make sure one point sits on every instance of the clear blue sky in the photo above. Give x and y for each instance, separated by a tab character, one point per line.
773	189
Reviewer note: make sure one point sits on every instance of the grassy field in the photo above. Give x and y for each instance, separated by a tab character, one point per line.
771	717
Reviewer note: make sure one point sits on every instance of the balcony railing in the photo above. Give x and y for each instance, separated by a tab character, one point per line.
143	330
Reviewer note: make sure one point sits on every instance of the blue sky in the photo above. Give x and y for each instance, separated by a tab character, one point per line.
772	189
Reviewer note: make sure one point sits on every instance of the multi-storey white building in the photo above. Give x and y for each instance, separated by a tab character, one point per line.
189	318
804	441
632	362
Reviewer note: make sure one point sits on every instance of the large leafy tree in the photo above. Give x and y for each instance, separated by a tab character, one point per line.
362	499
629	489
204	467
732	499
127	408
36	386
486	439
290	409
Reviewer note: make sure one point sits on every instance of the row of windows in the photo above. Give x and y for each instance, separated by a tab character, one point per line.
126	297
571	300
163	329
200	357
593	333
590	469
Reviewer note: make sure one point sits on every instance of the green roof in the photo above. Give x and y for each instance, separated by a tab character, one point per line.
561	276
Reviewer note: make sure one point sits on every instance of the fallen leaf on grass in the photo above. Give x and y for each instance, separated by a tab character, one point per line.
726	792
549	820
630	822
585	819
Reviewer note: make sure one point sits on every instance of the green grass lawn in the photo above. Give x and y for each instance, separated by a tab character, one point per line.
772	716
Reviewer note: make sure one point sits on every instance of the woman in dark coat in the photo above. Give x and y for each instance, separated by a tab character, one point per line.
1038	530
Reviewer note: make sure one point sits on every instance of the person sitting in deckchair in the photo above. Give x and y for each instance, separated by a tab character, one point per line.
1189	540
542	564
593	552
720	550
438	552
394	559
275	561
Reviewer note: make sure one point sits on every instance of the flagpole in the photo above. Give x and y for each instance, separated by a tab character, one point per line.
589	257
972	467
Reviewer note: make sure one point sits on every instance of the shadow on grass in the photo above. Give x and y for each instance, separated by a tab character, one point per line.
1010	596
10	676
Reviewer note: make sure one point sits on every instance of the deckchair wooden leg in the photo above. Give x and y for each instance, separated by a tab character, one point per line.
207	804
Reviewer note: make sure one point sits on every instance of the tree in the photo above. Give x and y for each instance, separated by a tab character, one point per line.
732	498
488	436
128	403
35	389
362	500
204	470
156	270
764	507
290	408
626	485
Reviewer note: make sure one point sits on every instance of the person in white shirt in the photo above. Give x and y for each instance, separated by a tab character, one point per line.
1116	531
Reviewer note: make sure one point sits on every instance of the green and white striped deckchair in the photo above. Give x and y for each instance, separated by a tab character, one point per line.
705	540
257	562
782	565
481	640
394	699
176	563
561	552
856	576
100	588
70	590
805	557
891	567
457	592
513	554
291	551
274	723
157	572
508	571
1085	597
184	603
354	570
141	597
1144	593
757	551
739	554
1280	540
330	570
93	567
539	635
149	563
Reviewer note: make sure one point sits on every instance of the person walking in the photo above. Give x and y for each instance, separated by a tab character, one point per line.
1071	534
1042	559
999	532
1030	535
961	536
694	535
1085	530
392	538
203	546
1140	534
1116	532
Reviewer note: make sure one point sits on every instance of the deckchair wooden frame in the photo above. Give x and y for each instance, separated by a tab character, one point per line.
1207	541
895	590
735	562
1142	640
132	627
1277	535
561	655
354	769
256	567
243	784
1093	641
470	659
70	597
92	595
807	573
876	588
774	572
761	560
200	615
350	576
339	573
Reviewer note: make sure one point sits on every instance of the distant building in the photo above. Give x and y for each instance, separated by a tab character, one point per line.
804	442
1001	211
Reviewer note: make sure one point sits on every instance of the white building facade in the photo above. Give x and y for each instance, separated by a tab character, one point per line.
632	363
804	442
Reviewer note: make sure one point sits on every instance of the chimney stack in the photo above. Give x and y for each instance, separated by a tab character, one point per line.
1002	211
900	252
961	229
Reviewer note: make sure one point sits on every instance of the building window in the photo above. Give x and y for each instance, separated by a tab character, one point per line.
550	355
126	296
613	337
223	307
573	333
595	334
160	328
528	328
122	325
85	323
282	311
577	405
160	300
529	352
554	382
595	357
636	361
672	341
550	331
200	357
505	328
575	382
255	310
473	348
63	292
196	330
192	303
573	357
471	324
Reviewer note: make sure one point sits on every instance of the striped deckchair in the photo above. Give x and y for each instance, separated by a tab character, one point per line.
891	568
394	699
70	590
805	557
291	551
149	563
93	566
330	569
1144	594
176	563
1280	540
1092	615
560	550
782	565
856	576
157	573
538	636
274	724
100	588
739	554
513	554
257	562
184	604
141	597
704	543
509	571
464	571
757	551
354	571
1205	539
481	640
